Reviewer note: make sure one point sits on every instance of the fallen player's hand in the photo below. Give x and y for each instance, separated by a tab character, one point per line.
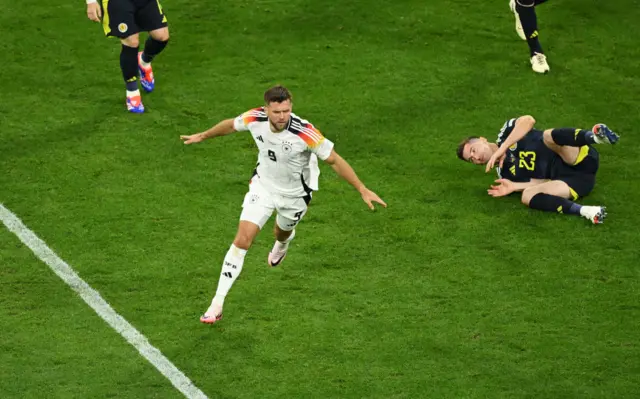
194	138
94	12
370	197
504	187
499	155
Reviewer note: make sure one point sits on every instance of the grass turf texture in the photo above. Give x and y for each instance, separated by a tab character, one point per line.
447	293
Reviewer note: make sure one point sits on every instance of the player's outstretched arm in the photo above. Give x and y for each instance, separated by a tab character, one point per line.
221	129
344	170
523	125
506	186
94	12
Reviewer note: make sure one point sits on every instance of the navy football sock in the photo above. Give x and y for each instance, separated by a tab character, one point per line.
129	66
552	203
572	137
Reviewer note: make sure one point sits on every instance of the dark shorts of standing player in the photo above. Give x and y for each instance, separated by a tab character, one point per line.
123	18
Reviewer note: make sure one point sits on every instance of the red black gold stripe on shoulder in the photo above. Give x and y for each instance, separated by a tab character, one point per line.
254	115
306	131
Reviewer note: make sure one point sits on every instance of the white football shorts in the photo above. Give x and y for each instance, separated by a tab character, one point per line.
259	204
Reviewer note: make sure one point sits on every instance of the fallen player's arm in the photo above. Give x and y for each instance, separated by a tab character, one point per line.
504	187
523	125
521	186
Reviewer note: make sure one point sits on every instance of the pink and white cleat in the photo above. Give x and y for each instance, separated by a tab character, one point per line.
212	315
279	251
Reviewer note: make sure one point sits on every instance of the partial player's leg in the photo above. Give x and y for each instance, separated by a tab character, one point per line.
290	212
129	67
281	246
151	18
519	30
554	196
526	16
119	21
231	268
571	144
257	208
565	142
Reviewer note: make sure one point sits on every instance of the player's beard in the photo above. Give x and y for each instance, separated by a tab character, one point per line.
277	128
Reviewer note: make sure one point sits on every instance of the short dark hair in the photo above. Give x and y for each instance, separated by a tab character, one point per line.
276	94
462	144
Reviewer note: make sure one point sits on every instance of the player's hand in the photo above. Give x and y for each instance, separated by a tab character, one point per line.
94	12
370	197
504	187
194	138
497	156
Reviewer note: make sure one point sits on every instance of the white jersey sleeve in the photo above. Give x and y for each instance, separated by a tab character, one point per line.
313	138
323	148
242	122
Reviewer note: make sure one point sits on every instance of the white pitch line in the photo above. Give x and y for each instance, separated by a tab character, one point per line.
99	305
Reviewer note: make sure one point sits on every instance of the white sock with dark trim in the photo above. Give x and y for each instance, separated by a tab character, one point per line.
231	268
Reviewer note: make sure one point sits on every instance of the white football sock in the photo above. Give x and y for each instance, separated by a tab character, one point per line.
283	244
231	268
133	93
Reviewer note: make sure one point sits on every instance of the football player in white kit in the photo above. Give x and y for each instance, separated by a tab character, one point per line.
286	174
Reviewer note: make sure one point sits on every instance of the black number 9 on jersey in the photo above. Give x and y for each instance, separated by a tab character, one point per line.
272	155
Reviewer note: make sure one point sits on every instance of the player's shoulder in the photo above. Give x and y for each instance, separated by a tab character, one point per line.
305	130
299	123
508	125
506	130
255	115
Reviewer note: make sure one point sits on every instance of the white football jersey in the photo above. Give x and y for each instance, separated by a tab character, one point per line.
287	163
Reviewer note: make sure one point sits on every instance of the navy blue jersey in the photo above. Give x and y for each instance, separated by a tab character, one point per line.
527	159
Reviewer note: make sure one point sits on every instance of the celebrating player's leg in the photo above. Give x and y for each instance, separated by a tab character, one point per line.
231	268
280	247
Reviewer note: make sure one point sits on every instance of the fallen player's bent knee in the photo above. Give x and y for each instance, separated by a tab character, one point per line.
527	194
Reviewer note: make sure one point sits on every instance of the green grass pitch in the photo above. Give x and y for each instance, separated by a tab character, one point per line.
447	293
